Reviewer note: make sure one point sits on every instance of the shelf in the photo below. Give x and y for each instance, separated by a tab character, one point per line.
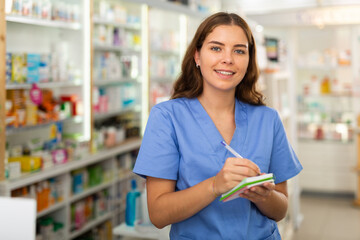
43	22
126	176
163	79
129	26
90	191
323	67
124	50
324	141
44	85
13	130
101	116
127	231
164	52
168	6
50	209
330	95
116	81
90	225
30	178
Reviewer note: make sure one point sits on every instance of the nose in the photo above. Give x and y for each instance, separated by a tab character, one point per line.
227	57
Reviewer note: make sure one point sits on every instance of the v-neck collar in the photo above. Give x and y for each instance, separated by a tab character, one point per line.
213	135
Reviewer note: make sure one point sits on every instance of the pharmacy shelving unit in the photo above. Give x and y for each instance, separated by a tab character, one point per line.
327	73
61	210
82	48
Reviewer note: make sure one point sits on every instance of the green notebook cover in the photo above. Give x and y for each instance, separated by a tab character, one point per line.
253	181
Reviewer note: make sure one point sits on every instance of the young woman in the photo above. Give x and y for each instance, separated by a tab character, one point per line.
186	166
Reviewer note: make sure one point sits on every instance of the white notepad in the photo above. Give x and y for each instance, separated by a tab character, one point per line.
246	183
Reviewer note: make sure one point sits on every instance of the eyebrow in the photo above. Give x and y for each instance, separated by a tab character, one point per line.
236	45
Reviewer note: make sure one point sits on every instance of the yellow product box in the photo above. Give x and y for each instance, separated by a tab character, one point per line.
28	163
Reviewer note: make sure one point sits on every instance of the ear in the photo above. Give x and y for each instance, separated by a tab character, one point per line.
197	57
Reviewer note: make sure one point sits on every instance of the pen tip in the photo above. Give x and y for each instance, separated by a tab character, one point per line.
223	143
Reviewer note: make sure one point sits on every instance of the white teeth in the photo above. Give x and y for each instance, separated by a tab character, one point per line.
225	73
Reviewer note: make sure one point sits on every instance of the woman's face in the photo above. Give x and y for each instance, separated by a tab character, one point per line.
223	58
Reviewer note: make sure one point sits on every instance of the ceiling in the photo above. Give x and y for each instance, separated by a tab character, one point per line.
256	7
297	12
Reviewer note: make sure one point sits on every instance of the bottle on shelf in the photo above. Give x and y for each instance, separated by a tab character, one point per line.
325	85
132	199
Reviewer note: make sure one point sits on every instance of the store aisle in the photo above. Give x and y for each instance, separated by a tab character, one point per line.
330	218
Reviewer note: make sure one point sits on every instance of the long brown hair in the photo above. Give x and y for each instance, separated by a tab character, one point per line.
190	83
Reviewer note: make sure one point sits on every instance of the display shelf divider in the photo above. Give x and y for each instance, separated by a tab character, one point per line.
167	6
90	191
99	116
43	22
125	50
51	209
44	85
121	80
10	131
90	225
130	26
2	88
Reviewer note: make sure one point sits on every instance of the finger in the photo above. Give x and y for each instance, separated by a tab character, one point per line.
270	186
247	163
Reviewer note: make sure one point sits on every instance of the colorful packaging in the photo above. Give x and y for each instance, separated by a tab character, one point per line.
8	67
28	163
18	68
33	64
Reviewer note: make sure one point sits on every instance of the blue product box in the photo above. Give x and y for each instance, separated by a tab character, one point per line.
8	67
33	64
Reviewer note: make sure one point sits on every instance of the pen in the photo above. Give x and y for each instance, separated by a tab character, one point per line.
231	149
234	152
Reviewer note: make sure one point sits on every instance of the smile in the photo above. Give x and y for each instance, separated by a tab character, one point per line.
225	72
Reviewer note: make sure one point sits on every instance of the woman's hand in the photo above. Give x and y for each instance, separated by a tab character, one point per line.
233	172
258	193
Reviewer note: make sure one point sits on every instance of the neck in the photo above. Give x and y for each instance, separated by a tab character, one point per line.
220	102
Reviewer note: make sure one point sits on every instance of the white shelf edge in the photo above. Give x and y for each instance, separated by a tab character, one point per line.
131	26
50	209
43	22
90	225
29	179
104	47
10	130
168	6
43	85
99	116
164	52
124	230
90	191
121	80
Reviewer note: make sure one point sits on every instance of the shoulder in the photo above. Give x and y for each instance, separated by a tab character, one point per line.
260	111
170	109
171	106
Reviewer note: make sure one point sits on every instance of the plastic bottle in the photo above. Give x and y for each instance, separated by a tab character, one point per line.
131	199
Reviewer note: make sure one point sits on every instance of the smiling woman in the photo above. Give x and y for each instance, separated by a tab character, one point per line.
181	155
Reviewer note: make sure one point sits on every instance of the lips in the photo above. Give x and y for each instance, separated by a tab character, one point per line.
225	72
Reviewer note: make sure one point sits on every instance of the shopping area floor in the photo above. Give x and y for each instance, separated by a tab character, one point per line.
328	217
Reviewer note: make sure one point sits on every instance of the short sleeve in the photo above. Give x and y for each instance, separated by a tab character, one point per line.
158	155
284	162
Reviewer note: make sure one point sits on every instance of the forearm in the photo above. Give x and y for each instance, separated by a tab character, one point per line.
274	206
172	207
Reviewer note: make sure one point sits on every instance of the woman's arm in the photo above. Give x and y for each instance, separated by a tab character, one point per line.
270	199
167	206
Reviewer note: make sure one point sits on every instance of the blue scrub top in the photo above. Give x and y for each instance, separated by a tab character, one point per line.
182	143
